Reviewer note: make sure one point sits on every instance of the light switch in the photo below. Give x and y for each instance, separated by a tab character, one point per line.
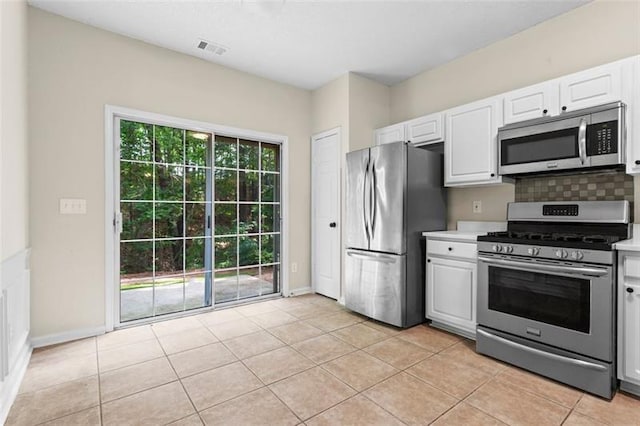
73	206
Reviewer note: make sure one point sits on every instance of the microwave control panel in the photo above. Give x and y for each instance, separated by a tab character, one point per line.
602	138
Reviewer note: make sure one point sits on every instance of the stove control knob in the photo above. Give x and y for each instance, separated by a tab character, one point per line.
497	248
577	255
507	249
533	251
561	253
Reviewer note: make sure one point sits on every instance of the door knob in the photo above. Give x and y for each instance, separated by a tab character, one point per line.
332	225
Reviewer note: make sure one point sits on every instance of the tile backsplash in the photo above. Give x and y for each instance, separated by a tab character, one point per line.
581	187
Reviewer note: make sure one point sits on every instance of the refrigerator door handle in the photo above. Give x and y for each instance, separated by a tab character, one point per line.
374	199
365	216
373	257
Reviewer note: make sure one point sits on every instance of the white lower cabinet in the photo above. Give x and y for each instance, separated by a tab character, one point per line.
629	321
451	287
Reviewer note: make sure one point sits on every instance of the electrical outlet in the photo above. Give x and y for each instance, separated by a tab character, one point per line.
73	206
294	267
477	207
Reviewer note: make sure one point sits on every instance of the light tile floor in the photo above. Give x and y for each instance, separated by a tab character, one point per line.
288	362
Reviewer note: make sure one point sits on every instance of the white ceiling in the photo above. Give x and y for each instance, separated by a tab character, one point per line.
308	43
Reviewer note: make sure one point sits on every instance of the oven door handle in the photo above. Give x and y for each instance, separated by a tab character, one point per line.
544	354
537	267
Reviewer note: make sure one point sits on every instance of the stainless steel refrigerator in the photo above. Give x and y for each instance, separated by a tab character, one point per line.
394	193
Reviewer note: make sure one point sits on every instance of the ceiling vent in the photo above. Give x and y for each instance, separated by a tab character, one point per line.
207	46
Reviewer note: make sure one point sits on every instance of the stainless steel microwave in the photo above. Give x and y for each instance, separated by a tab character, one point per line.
588	138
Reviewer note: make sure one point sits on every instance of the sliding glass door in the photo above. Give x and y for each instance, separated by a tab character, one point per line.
247	218
200	219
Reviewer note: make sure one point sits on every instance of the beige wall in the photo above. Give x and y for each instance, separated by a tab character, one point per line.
369	109
14	200
74	71
597	33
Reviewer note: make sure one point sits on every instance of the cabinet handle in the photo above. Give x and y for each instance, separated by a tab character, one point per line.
564	108
493	174
450	248
544	111
428	260
637	161
629	290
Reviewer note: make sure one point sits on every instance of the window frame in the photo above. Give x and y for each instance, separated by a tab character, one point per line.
112	115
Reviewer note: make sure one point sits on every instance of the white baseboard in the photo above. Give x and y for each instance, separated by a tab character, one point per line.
300	291
66	336
11	385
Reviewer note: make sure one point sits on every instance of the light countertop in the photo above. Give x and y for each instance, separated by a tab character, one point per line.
632	244
467	230
455	235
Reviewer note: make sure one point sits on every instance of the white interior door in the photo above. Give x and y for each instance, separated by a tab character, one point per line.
326	213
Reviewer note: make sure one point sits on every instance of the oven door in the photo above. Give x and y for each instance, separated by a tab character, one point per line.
567	305
556	145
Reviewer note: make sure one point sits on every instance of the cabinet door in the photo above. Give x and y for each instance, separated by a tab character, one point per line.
592	87
632	99
425	129
451	292
471	143
390	134
631	332
532	102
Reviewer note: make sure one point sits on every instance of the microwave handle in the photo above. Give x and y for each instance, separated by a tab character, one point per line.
582	141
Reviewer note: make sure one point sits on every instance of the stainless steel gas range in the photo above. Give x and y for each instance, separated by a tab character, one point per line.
546	299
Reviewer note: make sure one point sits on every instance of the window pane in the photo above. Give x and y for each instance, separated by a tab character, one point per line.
249	251
169	294
196	219
248	219
249	284
195	290
225	219
270	218
225	152
248	186
136	259
169	257
136	181
225	253
169	220
196	184
136	141
225	185
137	221
169	183
225	284
169	145
270	278
195	255
270	187
270	157
248	155
270	248
196	144
136	296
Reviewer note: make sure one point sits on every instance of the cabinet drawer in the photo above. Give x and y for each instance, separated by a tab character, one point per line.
452	249
632	267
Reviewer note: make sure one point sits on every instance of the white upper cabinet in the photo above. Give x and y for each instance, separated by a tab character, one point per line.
632	99
470	146
425	129
389	134
419	131
595	86
531	102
